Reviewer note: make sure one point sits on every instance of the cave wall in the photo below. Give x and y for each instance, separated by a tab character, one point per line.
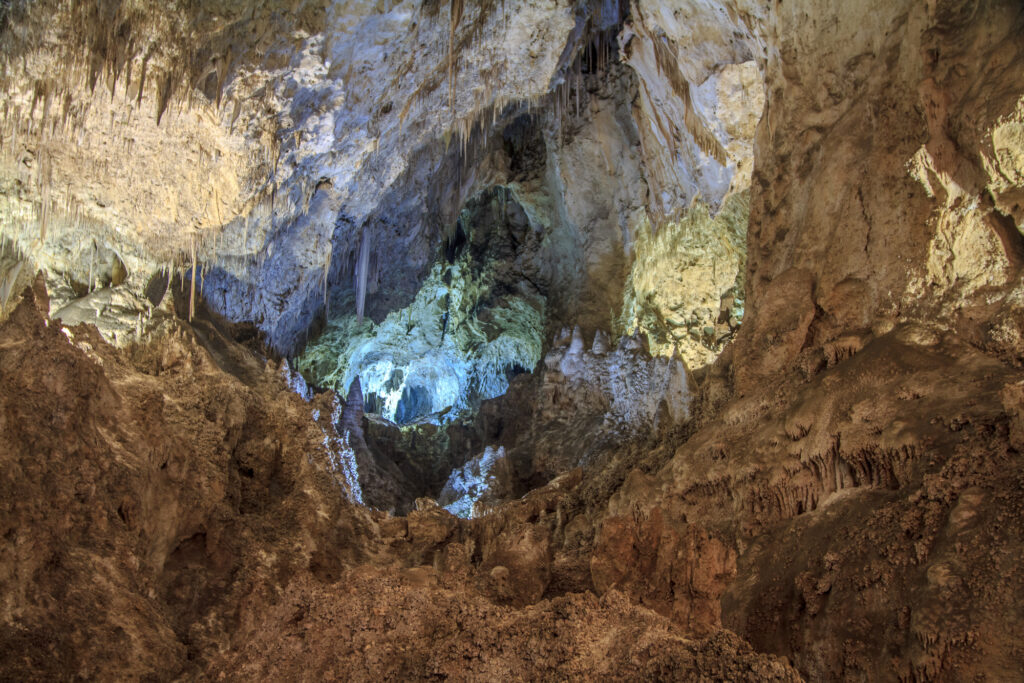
256	141
857	434
872	175
264	148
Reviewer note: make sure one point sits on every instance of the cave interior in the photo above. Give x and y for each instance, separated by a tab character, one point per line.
531	340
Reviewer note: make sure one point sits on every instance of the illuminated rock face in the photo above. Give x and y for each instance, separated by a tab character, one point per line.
685	290
293	160
486	477
815	207
560	217
261	143
433	355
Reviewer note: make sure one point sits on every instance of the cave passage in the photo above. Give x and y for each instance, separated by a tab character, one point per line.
476	321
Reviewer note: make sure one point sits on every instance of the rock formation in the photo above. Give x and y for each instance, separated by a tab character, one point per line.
802	221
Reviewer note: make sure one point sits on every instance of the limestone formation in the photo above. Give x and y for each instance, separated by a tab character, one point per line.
352	414
600	345
802	221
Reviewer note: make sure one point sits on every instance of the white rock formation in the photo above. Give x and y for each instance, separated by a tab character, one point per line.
633	384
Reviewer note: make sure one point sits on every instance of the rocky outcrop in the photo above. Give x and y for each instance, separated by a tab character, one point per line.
685	289
842	448
167	474
483	481
850	210
581	408
700	98
841	502
165	519
797	500
634	391
677	572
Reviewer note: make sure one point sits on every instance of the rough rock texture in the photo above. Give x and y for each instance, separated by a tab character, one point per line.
863	411
685	289
871	202
403	626
849	501
163	519
137	488
284	132
313	145
700	98
484	481
582	407
625	392
477	318
847	496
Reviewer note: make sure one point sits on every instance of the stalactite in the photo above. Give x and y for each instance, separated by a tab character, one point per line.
668	66
579	79
164	92
92	255
327	271
456	17
17	126
192	292
44	178
362	271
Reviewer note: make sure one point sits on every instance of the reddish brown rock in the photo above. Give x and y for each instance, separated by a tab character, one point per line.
678	573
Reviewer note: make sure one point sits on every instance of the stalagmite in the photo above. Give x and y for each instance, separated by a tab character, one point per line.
352	414
572	361
576	346
600	346
563	338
